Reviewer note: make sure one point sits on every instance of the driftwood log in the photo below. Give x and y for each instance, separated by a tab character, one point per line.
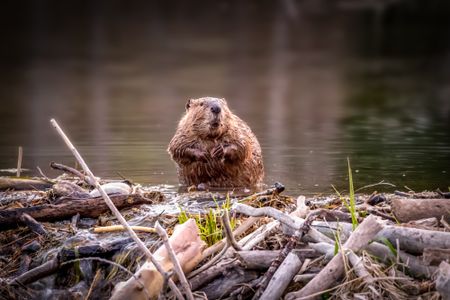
406	210
13	183
415	240
90	208
411	240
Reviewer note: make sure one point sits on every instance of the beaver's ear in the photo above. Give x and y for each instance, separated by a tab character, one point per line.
188	104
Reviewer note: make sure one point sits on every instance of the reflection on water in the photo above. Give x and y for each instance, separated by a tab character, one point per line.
317	82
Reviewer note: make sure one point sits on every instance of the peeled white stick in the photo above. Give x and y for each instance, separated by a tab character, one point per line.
113	208
173	257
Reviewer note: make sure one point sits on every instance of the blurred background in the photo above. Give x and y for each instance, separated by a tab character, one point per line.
318	81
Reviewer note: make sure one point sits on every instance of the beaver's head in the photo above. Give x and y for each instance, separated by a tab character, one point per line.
207	116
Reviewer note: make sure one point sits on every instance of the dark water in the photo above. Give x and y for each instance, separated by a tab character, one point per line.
317	82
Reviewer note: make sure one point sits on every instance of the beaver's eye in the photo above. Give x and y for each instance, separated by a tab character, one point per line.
201	104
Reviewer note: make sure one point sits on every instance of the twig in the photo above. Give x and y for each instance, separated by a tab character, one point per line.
402	194
275	190
72	171
93	284
375	184
292	222
122	228
258	235
44	176
228	232
111	205
19	161
173	257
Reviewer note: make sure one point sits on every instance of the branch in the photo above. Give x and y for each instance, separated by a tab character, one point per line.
110	204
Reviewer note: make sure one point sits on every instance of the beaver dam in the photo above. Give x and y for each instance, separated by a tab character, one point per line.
81	237
59	241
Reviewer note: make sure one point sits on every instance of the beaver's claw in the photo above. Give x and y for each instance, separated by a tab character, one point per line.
217	152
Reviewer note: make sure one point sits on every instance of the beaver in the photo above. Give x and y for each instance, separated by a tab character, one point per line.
214	147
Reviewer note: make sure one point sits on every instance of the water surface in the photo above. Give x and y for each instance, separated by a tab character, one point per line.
316	82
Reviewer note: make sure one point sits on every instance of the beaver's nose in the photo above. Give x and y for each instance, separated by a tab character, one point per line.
215	108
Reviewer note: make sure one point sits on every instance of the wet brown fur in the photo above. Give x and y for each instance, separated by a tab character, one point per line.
216	149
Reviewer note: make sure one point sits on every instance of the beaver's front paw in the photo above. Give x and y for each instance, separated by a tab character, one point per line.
230	153
201	156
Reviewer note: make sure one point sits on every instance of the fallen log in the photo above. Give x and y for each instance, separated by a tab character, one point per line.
90	208
13	183
411	240
406	210
415	240
187	246
335	268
